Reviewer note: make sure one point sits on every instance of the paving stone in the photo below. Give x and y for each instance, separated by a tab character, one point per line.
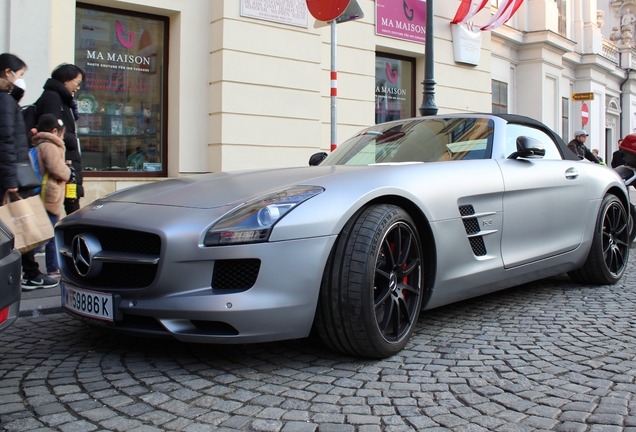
98	414
266	425
533	358
572	427
57	419
24	424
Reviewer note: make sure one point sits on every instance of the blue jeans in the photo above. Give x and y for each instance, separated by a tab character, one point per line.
50	254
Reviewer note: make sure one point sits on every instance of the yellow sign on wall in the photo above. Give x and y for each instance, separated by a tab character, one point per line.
583	96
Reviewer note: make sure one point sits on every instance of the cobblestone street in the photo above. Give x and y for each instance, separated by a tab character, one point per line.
551	355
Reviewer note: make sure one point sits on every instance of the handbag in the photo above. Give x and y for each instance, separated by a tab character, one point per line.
28	220
27	178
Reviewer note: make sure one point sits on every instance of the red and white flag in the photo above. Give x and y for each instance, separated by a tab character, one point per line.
507	9
468	9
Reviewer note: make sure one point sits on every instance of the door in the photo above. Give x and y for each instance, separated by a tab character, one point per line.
544	202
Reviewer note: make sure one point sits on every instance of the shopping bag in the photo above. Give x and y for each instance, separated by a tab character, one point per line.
28	220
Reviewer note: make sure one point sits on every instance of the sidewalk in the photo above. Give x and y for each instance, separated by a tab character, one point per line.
41	301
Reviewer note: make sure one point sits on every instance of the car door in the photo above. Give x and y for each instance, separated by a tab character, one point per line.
544	201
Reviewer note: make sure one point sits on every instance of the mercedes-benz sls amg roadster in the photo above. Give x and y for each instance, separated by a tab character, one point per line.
401	218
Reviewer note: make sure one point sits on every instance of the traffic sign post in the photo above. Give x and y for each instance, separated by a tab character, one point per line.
585	114
334	12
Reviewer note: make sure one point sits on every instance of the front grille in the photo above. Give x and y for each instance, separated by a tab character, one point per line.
238	274
118	240
116	274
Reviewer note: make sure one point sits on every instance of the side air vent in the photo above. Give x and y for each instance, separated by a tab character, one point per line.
471	225
466	210
478	246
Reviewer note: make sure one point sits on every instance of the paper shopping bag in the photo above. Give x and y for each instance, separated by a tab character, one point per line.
28	220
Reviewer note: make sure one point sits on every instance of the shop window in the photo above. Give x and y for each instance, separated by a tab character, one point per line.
499	97
394	88
122	101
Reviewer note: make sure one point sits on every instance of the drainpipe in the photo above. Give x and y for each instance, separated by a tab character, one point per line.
628	70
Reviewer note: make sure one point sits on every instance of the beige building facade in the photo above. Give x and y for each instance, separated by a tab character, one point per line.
246	84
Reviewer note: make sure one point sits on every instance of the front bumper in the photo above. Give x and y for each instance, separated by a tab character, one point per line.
182	303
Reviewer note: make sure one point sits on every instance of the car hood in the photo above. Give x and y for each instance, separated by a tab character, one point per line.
216	190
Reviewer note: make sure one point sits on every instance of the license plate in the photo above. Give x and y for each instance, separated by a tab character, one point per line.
88	303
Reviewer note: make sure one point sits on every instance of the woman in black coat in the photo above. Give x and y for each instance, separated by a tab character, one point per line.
57	99
14	148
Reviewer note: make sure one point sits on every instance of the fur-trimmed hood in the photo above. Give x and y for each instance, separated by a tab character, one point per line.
6	85
48	137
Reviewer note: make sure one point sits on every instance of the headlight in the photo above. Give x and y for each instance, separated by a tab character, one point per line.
253	221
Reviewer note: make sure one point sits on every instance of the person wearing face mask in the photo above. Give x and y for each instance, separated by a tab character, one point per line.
58	99
14	149
55	174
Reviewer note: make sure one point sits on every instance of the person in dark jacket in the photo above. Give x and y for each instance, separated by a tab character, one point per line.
14	148
577	145
58	99
617	156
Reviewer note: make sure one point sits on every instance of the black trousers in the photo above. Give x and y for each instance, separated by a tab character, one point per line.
71	205
30	266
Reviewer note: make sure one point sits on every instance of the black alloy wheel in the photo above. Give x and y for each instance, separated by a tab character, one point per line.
397	286
372	288
609	253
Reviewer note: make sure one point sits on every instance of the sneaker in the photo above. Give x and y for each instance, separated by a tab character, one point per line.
53	274
39	282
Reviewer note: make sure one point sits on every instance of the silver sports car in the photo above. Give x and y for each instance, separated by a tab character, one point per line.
405	216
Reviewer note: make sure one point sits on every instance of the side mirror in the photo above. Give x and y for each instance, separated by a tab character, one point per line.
528	147
316	158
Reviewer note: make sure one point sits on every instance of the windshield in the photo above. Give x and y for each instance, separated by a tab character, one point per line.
417	140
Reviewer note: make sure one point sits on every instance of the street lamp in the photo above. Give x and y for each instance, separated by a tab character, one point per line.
428	103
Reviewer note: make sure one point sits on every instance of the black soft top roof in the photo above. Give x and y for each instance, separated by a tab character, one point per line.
528	121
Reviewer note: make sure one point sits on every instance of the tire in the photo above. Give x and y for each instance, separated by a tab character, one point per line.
607	259
372	288
632	223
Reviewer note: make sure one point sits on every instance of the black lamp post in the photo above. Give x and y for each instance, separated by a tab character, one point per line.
428	103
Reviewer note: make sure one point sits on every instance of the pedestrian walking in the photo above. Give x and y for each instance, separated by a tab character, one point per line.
14	149
55	174
58	99
617	156
600	159
577	145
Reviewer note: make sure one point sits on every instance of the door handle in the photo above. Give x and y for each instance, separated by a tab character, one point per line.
571	174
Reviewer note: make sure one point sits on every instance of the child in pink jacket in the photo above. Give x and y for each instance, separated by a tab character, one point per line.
55	174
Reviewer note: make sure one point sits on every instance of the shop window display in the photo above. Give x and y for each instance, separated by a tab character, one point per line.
394	88
121	123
